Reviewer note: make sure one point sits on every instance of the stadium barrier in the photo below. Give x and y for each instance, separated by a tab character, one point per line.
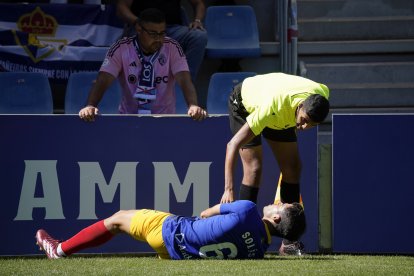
62	174
373	183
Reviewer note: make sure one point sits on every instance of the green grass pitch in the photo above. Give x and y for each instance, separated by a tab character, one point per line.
271	265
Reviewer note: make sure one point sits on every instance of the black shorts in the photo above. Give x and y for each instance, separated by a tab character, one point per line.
237	118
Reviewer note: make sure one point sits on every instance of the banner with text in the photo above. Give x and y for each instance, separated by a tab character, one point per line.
62	174
56	39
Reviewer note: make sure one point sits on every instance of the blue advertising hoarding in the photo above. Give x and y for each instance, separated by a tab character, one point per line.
373	183
62	174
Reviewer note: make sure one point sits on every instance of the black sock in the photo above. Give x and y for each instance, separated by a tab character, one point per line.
248	193
289	192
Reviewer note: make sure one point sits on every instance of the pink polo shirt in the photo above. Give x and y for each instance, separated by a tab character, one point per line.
122	62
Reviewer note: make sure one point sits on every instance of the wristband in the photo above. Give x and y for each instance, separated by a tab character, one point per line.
197	20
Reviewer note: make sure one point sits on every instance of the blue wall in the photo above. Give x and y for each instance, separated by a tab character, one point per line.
373	183
62	174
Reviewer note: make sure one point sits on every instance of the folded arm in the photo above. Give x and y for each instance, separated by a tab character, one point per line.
212	211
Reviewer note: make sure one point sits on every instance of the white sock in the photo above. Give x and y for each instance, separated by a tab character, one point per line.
60	251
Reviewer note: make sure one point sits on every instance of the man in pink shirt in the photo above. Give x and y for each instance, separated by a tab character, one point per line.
147	67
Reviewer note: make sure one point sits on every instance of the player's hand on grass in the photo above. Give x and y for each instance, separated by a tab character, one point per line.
197	113
88	113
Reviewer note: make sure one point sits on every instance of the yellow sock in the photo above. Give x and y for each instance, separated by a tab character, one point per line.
277	196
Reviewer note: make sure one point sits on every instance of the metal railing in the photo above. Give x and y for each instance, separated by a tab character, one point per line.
288	35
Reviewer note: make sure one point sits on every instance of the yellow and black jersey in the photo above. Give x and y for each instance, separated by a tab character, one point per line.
272	99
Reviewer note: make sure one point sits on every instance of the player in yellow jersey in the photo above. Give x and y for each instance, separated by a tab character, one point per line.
274	106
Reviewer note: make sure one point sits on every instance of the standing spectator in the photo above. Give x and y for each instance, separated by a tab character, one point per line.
147	66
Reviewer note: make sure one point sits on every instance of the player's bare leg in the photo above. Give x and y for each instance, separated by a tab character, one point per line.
252	171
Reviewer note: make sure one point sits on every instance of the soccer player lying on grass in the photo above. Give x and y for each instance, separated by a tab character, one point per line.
226	231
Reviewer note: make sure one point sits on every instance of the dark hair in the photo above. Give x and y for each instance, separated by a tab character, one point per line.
317	107
293	223
151	16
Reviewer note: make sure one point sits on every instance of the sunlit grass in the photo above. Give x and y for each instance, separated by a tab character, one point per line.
271	265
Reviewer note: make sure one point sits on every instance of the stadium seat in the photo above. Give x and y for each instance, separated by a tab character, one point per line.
77	91
180	104
25	93
232	32
219	89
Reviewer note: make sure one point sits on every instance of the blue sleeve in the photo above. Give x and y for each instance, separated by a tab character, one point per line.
239	206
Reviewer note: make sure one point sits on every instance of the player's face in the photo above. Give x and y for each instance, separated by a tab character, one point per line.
278	208
302	119
151	36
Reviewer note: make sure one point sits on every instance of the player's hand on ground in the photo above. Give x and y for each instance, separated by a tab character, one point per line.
227	197
197	113
88	113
